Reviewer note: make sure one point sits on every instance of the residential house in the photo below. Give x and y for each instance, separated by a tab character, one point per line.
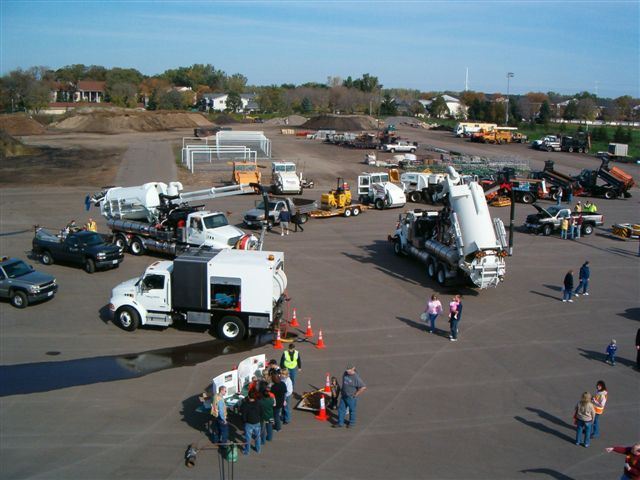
218	102
454	105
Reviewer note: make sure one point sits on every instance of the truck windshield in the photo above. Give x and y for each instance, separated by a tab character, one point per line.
272	206
245	168
16	269
215	221
91	240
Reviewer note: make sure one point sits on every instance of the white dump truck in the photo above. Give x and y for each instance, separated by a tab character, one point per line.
158	217
284	178
235	292
460	241
376	189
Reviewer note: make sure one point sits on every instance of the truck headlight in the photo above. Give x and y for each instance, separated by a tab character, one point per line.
34	288
101	256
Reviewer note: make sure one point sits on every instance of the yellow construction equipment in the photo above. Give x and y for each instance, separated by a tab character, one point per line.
246	173
336	203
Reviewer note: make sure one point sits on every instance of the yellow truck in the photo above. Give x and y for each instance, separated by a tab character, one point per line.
246	173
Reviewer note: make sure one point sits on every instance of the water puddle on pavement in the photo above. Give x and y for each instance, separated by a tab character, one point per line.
28	378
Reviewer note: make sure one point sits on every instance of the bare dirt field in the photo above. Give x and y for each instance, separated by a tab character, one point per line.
82	399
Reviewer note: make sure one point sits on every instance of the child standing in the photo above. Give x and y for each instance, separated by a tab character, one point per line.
335	393
612	348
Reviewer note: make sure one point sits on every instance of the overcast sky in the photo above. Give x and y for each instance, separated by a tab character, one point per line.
549	46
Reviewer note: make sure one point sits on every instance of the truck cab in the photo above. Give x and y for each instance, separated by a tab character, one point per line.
284	178
375	188
211	229
246	173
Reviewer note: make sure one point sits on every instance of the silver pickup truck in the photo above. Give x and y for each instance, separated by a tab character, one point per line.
22	285
548	220
299	206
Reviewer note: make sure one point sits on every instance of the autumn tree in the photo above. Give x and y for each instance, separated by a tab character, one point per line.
236	83
234	102
544	115
438	108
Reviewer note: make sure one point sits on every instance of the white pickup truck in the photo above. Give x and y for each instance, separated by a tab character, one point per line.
400	146
550	143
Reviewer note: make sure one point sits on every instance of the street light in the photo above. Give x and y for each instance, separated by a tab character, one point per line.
509	77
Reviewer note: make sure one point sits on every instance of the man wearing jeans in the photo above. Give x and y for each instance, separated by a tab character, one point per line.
585	273
352	388
251	416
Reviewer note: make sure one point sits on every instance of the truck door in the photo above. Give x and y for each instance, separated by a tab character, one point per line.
155	293
363	185
195	231
71	250
4	284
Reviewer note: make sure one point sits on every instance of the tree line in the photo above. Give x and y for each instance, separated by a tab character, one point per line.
30	90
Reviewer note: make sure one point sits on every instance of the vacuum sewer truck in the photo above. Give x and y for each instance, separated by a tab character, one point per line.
459	241
158	217
235	292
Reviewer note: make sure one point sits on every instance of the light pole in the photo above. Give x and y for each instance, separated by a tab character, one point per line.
509	77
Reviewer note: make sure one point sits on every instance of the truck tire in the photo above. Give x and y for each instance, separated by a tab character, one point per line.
547	230
610	194
379	204
441	276
586	150
355	211
347	212
549	148
304	218
393	150
136	247
432	268
528	198
18	299
570	149
413	150
89	265
46	258
120	241
580	150
127	318
587	229
230	328
397	248
415	197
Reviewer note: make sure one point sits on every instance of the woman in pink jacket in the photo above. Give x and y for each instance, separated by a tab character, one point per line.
434	308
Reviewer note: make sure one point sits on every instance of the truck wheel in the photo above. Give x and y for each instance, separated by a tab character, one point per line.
393	150
432	268
397	249
127	319
580	150
527	198
549	148
379	204
415	197
230	328
304	218
269	225
547	230
413	150
136	247
441	276
586	150
19	299
347	212
89	265
570	149
46	258
355	211
120	241
587	229
610	194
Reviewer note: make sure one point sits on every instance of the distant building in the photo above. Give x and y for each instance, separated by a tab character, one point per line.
454	105
85	91
218	102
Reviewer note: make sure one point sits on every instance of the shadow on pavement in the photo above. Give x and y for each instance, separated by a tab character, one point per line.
631	314
601	357
548	471
553	297
545	429
423	326
556	288
550	418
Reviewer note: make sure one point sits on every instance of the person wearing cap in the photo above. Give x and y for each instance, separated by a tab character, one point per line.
291	361
352	388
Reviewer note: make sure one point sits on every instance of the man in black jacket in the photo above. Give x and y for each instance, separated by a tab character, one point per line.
567	292
251	411
279	389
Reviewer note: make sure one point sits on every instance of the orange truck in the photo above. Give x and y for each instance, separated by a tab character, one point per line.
246	173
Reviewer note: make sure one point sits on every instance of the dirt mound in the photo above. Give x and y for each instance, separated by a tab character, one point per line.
11	147
341	123
291	120
224	119
122	120
20	124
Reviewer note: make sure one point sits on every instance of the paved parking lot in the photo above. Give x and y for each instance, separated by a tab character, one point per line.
83	399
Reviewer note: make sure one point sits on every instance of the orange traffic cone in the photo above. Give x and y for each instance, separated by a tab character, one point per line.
320	343
322	416
294	319
278	344
309	332
327	384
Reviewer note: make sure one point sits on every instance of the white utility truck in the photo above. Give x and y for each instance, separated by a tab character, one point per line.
235	292
157	217
460	240
422	187
376	189
284	178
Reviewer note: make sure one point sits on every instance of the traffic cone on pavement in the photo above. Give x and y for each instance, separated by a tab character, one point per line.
327	384
322	416
278	344
294	319
320	343
309	332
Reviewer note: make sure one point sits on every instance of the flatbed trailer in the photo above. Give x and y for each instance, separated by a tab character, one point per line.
348	211
626	231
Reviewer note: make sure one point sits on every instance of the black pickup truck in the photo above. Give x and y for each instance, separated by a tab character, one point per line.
84	248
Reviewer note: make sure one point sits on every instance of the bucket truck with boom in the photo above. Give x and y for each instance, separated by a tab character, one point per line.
460	240
157	217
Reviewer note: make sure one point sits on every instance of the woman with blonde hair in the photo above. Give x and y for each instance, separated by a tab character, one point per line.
584	415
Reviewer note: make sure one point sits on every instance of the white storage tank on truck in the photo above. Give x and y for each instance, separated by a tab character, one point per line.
235	292
157	217
459	241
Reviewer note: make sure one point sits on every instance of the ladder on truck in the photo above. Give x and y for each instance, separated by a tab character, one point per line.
215	192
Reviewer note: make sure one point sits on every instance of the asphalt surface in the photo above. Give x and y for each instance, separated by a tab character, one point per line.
81	398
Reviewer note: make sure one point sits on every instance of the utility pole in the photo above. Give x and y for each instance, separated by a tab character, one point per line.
466	80
509	77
